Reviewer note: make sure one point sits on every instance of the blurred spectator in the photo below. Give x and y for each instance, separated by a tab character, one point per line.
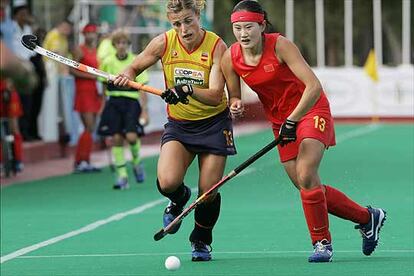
10	65
37	93
11	110
6	23
53	105
13	70
56	40
88	101
21	26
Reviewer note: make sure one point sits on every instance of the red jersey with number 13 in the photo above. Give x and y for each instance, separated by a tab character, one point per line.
278	88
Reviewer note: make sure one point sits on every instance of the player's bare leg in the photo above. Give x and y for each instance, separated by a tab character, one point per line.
303	172
206	214
85	144
173	163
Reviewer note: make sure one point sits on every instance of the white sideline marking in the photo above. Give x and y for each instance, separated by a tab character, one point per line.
215	252
84	229
346	136
357	132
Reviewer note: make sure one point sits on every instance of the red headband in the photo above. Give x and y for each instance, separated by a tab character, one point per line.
89	28
247	16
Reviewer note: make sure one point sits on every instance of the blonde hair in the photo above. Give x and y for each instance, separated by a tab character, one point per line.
120	34
175	6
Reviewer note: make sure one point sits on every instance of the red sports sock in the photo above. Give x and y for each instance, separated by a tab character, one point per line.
342	206
84	148
18	147
316	213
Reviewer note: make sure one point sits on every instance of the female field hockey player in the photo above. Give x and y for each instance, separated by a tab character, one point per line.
198	117
123	108
88	102
299	111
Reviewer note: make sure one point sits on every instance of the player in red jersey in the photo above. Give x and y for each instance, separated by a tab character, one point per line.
299	111
88	102
11	108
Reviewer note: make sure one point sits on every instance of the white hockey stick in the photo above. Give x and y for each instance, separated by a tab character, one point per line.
29	42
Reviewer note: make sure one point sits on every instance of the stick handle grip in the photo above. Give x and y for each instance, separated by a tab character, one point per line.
140	86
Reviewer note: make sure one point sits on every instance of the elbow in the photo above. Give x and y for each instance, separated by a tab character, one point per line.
217	101
317	90
216	98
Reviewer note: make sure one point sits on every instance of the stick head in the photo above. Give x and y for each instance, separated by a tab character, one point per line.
159	235
29	41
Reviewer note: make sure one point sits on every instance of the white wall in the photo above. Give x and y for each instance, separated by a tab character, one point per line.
353	94
350	91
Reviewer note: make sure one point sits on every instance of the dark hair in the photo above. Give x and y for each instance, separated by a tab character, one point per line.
253	6
20	8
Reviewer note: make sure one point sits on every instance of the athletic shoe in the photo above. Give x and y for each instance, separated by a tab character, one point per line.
173	210
200	251
18	166
121	184
322	252
139	173
85	167
370	231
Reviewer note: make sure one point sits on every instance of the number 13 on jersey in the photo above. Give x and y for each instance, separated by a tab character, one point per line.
320	123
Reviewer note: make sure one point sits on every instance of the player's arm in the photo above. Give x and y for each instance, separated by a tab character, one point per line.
214	93
233	85
148	57
288	53
77	56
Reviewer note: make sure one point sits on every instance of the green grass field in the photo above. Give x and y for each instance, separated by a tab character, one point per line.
78	225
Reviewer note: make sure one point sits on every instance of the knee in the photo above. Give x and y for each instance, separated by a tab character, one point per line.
306	179
89	127
210	198
167	185
131	138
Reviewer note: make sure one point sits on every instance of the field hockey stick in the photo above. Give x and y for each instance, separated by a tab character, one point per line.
29	41
164	231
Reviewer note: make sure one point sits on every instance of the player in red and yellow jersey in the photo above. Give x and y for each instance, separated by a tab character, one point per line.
299	111
198	124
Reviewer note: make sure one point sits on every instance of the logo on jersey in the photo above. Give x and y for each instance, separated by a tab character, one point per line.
188	76
204	56
268	68
174	54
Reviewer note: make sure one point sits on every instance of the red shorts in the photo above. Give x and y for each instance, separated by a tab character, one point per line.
13	108
317	125
87	101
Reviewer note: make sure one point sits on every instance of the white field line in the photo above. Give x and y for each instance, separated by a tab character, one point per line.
408	251
90	227
357	132
84	229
